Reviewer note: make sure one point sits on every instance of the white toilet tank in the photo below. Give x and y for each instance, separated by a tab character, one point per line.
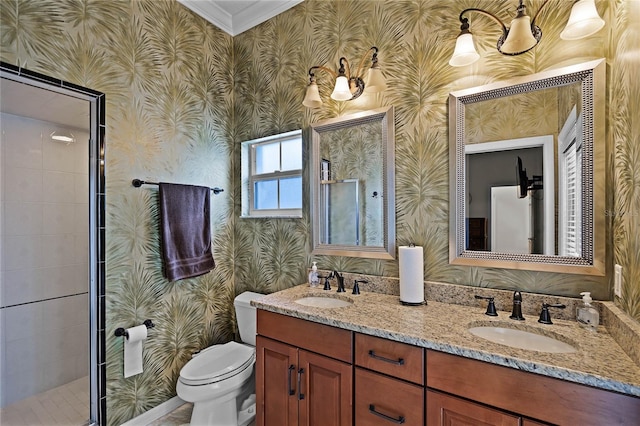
246	316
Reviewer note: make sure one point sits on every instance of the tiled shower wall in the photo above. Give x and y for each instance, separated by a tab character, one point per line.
44	258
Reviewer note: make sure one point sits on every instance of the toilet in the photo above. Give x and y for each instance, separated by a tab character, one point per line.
220	380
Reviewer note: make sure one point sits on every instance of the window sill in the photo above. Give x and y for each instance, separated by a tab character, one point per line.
283	216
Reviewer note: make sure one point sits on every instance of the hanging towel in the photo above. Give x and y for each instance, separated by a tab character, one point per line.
185	230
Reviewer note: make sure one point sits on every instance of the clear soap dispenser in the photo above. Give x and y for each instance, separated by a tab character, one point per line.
314	281
586	314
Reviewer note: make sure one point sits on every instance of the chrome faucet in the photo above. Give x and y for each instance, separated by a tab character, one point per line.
516	312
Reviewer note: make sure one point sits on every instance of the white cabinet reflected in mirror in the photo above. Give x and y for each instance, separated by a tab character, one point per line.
527	172
352	185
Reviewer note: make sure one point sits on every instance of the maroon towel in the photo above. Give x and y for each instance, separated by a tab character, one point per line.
185	230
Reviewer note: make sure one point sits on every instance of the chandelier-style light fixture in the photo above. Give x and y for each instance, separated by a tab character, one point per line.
348	86
524	34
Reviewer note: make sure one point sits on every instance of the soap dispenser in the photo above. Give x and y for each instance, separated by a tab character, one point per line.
586	314
314	280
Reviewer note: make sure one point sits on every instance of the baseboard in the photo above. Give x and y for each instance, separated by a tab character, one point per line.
155	413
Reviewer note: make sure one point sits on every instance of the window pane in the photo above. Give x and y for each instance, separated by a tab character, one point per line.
267	158
292	154
291	193
266	194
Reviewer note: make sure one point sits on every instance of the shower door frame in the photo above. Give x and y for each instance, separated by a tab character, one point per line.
96	284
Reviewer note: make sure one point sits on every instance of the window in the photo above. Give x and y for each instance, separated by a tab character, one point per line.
570	187
272	176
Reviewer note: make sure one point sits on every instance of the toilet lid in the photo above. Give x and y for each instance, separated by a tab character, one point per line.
217	363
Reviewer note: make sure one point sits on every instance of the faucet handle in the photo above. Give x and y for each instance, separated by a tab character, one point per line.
491	307
327	285
545	317
356	287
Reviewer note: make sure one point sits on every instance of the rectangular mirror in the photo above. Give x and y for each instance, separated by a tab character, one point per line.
353	185
527	172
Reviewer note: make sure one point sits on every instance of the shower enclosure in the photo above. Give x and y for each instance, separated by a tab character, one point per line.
51	268
340	212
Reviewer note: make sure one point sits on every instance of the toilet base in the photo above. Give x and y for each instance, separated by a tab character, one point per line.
235	408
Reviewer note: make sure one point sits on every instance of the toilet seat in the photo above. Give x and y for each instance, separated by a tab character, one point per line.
217	363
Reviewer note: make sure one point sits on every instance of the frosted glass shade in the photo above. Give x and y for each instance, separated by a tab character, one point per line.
341	91
312	98
375	80
465	52
520	38
583	21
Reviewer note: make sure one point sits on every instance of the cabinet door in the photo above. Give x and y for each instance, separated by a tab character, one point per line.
276	383
382	400
326	389
445	410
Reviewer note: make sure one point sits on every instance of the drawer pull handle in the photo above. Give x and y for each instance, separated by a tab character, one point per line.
291	369
399	361
398	420
300	394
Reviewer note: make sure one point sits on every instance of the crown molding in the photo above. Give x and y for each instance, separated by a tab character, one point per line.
236	19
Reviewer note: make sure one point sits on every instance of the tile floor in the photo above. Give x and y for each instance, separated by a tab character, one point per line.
67	405
178	417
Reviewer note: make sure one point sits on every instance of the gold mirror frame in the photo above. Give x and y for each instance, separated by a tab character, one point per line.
592	76
385	117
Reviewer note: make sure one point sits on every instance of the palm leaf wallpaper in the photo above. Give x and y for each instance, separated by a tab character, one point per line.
182	95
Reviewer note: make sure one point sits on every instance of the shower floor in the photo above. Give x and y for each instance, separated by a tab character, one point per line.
66	405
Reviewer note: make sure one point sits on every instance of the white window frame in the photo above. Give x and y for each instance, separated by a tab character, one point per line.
250	177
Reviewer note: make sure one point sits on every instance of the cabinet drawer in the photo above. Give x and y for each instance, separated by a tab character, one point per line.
393	358
381	400
323	339
446	410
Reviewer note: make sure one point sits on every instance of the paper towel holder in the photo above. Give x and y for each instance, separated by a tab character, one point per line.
120	331
422	302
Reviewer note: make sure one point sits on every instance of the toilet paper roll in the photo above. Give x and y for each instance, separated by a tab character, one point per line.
411	275
133	350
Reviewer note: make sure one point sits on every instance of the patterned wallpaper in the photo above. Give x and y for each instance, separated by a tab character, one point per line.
182	95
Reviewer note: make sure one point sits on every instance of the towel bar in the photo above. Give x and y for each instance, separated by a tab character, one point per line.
138	183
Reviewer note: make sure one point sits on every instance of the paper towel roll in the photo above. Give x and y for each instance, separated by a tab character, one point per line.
411	275
133	350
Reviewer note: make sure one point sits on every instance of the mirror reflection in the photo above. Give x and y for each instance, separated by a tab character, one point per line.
353	185
527	172
522	191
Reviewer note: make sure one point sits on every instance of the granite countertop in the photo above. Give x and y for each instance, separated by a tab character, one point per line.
599	361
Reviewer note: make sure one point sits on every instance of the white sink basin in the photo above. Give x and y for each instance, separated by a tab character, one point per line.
323	302
522	339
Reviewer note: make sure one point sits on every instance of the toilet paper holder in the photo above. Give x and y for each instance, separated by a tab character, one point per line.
120	331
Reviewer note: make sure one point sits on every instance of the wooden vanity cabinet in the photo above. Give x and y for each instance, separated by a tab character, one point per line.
317	375
530	395
304	374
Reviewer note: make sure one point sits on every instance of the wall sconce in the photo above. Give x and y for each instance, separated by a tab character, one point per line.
64	137
348	86
524	34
